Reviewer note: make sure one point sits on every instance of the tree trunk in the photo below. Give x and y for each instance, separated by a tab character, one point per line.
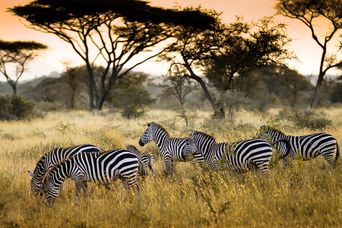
314	101
91	86
100	101
216	106
14	88
219	112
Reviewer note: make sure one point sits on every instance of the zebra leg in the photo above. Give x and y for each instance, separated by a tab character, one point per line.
328	156
61	192
85	189
286	163
263	167
168	167
79	186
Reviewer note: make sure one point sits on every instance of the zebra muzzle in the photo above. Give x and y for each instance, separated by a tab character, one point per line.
141	143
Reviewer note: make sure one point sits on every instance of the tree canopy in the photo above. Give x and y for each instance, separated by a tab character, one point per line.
13	58
308	11
109	33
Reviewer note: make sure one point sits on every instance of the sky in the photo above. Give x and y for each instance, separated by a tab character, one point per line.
307	51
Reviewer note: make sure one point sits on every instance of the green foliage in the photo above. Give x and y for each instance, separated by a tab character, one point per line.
130	95
245	47
132	100
15	108
307	118
336	94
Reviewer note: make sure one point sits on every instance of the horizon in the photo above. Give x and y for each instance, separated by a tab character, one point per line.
306	50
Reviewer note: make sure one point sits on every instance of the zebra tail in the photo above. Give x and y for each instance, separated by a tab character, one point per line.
287	145
337	152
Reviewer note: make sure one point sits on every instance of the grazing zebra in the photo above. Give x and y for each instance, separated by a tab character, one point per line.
305	147
171	149
146	160
83	167
54	157
239	156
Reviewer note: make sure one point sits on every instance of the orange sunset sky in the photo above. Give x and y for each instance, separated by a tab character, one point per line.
307	51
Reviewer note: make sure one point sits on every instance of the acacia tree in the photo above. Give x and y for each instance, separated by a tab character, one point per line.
308	12
14	57
225	51
108	33
177	84
192	48
246	47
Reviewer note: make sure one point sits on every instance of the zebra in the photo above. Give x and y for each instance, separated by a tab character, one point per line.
239	156
171	149
52	158
305	147
84	167
146	160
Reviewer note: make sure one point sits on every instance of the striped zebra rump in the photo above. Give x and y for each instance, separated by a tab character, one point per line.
305	147
239	156
53	158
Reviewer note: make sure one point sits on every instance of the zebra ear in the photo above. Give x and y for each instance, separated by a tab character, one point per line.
30	173
148	124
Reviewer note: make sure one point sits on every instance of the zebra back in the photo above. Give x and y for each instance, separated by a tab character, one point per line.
102	168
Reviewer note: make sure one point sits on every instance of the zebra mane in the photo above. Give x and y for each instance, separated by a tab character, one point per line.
135	150
202	134
40	163
269	128
159	127
52	169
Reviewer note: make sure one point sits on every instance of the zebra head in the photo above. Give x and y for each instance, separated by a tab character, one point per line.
148	134
263	132
36	184
148	160
50	191
189	149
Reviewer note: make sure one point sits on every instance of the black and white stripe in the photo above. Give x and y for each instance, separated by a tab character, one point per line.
83	167
239	156
171	149
146	160
305	147
54	157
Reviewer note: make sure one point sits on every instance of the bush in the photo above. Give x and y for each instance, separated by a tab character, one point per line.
131	100
15	108
307	119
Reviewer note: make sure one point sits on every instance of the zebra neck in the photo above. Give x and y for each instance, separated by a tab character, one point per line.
161	139
277	135
220	151
62	172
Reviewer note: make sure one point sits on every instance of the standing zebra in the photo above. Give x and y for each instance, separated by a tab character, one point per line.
239	156
305	147
83	167
171	149
54	157
146	160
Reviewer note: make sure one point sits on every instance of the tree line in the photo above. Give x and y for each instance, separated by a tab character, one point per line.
196	43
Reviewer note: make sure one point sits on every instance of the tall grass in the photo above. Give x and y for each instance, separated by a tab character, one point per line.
307	195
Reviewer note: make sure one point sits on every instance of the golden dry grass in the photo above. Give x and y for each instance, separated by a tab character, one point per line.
308	195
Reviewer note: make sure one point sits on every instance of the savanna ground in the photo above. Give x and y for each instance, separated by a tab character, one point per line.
309	195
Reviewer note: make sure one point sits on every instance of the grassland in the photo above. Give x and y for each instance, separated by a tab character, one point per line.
309	195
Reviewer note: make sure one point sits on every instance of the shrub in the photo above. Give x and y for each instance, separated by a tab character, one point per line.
307	119
15	108
131	100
